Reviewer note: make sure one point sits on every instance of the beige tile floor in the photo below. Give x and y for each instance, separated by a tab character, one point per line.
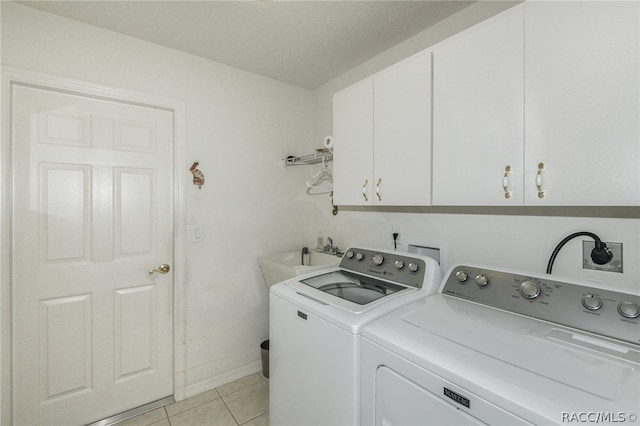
241	402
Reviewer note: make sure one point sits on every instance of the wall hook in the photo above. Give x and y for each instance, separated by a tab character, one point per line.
198	176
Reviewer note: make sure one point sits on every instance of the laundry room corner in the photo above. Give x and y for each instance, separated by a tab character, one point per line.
239	126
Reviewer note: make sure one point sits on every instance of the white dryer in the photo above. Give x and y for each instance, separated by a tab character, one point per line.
504	347
315	326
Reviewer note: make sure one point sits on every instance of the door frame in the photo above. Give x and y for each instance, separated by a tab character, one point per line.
11	77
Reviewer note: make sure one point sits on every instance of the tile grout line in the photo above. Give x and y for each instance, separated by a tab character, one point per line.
229	409
222	398
166	414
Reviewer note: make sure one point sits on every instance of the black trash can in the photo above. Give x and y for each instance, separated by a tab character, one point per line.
264	350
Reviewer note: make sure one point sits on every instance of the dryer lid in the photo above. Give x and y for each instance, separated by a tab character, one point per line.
581	360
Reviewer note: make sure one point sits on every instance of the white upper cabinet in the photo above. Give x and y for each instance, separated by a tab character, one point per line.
582	114
402	133
540	106
537	106
353	144
478	114
381	129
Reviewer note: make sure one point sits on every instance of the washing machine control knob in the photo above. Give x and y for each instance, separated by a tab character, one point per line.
413	267
399	264
629	310
378	259
350	254
482	280
591	302
462	276
359	256
530	290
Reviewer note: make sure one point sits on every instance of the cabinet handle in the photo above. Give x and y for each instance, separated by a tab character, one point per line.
539	180
378	189
505	182
364	190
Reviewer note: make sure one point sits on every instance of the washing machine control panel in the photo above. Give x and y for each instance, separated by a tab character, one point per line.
574	303
398	267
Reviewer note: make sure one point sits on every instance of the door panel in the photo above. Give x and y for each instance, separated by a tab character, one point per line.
135	218
64	192
135	323
65	346
92	215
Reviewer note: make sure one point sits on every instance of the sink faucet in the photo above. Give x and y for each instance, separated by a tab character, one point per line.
330	248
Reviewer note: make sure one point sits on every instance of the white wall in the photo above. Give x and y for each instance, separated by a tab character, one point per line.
238	125
515	237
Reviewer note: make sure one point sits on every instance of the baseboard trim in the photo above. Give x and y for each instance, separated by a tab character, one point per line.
223	379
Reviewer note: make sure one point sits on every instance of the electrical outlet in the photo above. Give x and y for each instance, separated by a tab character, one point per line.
614	265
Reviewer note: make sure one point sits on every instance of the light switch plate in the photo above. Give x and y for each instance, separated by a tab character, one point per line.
614	265
197	236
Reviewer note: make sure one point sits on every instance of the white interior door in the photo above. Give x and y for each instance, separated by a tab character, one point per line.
92	214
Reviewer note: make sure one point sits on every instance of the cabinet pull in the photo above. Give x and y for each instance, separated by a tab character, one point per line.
539	180
378	189
505	182
364	190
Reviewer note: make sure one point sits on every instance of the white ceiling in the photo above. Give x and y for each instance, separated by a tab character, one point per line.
304	43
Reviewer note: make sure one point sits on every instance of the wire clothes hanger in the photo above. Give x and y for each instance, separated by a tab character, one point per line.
315	183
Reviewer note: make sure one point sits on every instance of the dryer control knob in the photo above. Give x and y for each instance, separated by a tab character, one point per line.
482	280
530	290
359	256
591	302
629	310
399	264
462	276
378	259
349	254
413	267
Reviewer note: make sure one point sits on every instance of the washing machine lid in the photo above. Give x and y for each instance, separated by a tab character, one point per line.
353	287
530	363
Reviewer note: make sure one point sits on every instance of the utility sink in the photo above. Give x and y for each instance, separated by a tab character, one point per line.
282	266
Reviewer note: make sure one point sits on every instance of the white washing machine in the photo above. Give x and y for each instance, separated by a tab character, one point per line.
504	347
315	326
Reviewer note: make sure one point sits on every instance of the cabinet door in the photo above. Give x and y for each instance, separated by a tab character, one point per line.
582	102
353	145
478	114
402	133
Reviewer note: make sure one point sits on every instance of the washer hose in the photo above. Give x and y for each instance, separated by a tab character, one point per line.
601	254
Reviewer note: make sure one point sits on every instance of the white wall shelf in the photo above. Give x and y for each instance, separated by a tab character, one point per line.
308	159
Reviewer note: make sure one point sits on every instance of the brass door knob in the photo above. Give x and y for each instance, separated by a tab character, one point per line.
162	269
